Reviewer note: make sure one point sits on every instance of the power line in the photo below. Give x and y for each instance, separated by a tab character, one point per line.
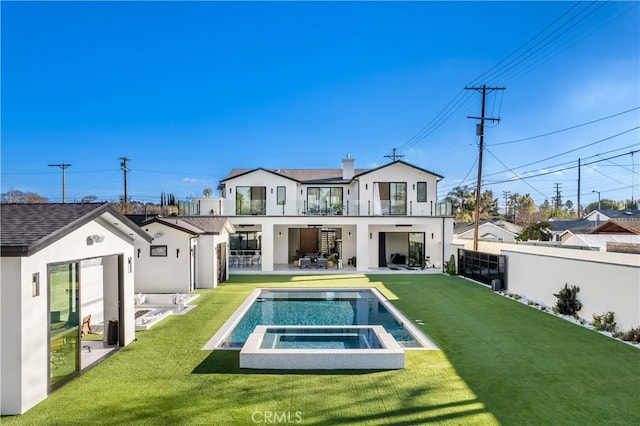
565	129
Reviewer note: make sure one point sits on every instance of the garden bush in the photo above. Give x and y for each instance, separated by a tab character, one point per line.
604	322
568	303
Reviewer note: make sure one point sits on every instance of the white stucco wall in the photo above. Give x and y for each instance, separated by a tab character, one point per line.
607	281
400	173
24	365
11	296
205	262
158	274
603	286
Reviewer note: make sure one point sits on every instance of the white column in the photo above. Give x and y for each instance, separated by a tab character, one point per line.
362	247
268	243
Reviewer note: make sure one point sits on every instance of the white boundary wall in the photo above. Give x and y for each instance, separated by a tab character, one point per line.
608	281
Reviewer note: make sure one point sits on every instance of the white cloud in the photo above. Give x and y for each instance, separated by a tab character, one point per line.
189	180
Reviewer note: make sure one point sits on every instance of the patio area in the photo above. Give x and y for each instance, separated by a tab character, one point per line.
491	369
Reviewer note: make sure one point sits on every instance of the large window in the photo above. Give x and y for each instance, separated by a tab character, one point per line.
324	200
64	330
393	198
251	200
282	195
243	240
421	192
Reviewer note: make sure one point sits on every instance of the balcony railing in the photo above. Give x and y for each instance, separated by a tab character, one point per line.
301	207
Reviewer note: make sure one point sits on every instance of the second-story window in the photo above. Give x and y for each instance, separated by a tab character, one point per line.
326	200
421	190
393	197
251	200
281	195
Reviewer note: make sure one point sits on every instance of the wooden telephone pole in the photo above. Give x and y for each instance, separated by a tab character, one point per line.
123	166
63	166
480	132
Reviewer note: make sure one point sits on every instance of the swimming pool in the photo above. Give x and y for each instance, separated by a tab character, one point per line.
317	307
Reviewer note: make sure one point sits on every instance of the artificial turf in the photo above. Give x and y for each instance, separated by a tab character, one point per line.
500	362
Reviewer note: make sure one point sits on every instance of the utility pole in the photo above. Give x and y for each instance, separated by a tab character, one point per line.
393	156
579	208
506	195
558	198
63	166
480	132
123	166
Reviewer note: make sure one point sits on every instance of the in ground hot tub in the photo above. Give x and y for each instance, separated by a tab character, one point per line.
321	348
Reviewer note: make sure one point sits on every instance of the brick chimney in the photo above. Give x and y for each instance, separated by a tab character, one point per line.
347	168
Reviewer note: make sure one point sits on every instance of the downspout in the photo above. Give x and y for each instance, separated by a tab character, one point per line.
442	239
192	268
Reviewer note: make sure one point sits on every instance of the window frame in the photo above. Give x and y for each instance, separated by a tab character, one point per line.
421	192
158	251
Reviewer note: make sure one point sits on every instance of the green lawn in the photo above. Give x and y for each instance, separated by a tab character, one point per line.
501	363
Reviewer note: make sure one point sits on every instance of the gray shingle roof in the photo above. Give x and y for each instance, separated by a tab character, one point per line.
26	228
573	225
310	176
208	224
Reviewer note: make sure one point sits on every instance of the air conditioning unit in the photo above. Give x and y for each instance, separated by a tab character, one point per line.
496	285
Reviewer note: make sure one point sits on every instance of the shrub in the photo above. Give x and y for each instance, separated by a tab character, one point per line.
604	322
632	335
568	303
451	266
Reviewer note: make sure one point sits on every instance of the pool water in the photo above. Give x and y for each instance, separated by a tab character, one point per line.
320	338
317	307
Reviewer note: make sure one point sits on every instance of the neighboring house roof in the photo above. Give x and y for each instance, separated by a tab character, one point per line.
612	214
464	227
310	176
619	226
576	226
27	228
601	240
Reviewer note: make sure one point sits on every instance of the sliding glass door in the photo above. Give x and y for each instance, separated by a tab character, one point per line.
416	248
64	331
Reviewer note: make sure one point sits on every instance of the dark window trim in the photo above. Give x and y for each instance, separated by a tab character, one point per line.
158	251
421	193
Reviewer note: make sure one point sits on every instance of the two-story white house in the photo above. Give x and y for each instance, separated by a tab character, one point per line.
368	218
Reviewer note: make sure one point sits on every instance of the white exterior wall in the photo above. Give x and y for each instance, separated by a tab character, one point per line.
608	281
603	286
400	173
205	262
170	274
11	296
271	182
24	365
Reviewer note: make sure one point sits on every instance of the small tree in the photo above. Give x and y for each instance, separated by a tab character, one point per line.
451	266
538	231
207	192
568	303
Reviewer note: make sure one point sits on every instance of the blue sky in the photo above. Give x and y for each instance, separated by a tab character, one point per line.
189	91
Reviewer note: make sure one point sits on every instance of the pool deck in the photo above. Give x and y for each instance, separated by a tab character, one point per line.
283	269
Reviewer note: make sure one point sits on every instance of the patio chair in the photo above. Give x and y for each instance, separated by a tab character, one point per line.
305	263
322	263
86	330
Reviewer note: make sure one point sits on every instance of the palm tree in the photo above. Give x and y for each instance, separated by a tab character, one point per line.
207	192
